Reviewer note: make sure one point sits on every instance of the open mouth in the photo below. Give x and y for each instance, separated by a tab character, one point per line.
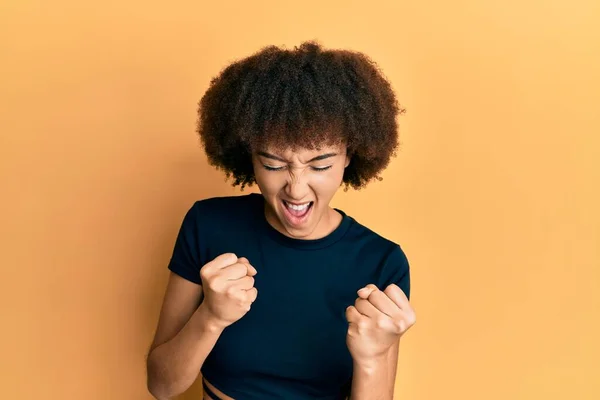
295	213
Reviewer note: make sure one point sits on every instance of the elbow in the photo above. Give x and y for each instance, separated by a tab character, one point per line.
156	392
163	380
156	389
158	396
156	383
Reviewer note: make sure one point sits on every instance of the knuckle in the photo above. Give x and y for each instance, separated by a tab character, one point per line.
214	285
362	325
399	325
402	326
204	273
230	291
412	319
381	323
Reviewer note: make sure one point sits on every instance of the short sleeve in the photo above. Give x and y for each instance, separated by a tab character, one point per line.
397	270
185	260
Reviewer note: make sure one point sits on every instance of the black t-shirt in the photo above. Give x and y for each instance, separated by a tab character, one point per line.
292	342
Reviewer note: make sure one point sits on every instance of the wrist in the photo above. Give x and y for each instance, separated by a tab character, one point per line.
371	365
207	323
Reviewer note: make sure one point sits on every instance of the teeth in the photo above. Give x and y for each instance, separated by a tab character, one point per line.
297	208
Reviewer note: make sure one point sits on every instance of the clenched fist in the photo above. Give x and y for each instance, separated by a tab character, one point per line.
228	287
376	321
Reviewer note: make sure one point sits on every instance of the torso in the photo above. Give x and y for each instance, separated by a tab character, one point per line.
292	342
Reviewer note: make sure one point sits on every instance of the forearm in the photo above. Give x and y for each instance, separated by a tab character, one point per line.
174	366
392	357
375	379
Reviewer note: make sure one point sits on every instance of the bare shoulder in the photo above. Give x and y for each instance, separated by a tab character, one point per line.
180	301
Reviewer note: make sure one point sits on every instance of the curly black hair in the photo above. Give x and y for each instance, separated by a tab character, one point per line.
306	97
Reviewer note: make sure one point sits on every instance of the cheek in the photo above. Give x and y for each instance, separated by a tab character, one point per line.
269	183
327	183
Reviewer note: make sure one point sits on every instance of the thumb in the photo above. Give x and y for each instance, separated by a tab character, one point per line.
224	260
251	270
365	292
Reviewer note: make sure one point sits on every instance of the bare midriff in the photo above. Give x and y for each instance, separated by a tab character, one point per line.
216	391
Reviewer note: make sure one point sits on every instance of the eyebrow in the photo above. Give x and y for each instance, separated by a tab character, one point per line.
317	158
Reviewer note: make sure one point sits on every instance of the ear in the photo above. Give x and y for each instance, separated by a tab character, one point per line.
348	157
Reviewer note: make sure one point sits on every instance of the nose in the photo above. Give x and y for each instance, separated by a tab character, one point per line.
297	186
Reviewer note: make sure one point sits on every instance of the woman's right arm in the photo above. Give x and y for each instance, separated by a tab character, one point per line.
185	336
188	328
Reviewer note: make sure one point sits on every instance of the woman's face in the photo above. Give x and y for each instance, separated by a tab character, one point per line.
298	187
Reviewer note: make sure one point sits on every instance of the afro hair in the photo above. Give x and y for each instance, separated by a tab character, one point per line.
307	97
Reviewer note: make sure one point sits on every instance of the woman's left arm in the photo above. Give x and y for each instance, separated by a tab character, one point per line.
376	322
375	380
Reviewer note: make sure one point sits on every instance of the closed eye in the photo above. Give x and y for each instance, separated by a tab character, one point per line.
318	169
268	168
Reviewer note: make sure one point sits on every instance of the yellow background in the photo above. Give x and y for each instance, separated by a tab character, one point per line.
494	195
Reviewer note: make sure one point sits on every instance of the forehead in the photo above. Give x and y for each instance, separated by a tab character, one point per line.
302	152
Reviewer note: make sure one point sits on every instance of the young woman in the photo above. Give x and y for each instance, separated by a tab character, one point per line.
278	295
